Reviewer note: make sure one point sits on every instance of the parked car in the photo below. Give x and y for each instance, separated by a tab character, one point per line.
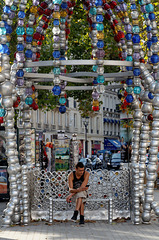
97	163
115	162
86	162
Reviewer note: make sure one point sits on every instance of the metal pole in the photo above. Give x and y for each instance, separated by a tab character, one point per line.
85	140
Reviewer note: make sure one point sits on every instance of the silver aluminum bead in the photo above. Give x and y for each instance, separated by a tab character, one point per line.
23	1
50	6
8	2
28	46
154	31
56	63
136	64
30	23
154	25
22	7
3	39
63	46
129	44
4	17
134	14
9	21
56	45
20	39
56	81
99	10
38	48
157	211
126	20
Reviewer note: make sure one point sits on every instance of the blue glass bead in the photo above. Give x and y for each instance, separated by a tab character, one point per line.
137	90
149	7
0	95
29	39
2	31
21	14
154	58
62	100
8	28
154	39
62	58
94	68
149	43
136	38
129	89
95	81
62	109
62	20
133	6
141	2
64	5
128	36
94	25
99	26
8	44
150	95
56	71
146	16
129	98
2	112
20	47
152	16
28	53
100	79
57	1
20	30
98	2
20	73
56	54
93	11
120	1
129	58
100	44
99	18
129	68
135	29
13	7
29	30
29	100
148	28
29	70
56	90
4	49
136	71
6	9
56	22
129	81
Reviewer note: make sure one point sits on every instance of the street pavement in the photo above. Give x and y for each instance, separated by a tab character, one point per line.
121	229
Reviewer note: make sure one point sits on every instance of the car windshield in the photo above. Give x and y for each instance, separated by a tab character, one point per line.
116	155
116	160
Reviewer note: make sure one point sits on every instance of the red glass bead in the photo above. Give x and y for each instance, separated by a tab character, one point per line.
40	11
69	4
18	99
45	18
142	60
15	54
125	93
150	117
27	25
37	54
35	107
33	88
67	31
121	34
115	21
95	108
113	4
70	13
37	36
15	104
48	12
45	26
112	26
39	43
116	38
1	119
42	37
44	5
107	16
106	6
24	36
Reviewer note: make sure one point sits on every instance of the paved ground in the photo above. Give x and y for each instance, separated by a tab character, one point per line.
98	230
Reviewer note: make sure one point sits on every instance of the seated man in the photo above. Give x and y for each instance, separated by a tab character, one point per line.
77	186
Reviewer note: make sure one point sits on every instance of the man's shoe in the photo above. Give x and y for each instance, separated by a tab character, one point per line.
81	220
74	217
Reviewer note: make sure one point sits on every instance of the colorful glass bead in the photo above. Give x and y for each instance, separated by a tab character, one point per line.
129	58
129	89
20	30
150	95
56	71
2	112
93	11
136	38
137	89
56	90
100	79
29	30
99	18
29	39
20	47
21	14
62	100
149	8
136	72
99	26
29	100
4	49
100	44
135	29
2	31
62	109
28	53
20	73
129	81
154	58
129	98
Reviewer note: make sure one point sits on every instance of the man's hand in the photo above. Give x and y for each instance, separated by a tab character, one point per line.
82	189
69	197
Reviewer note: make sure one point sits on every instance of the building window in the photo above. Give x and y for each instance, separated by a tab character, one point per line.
52	118
37	116
75	120
45	117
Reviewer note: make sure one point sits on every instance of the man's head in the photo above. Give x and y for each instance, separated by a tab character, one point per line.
79	168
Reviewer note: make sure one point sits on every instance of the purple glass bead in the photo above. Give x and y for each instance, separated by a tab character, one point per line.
136	56
123	7
56	7
33	56
124	55
20	81
30	91
11	15
65	83
39	29
20	57
20	22
122	41
143	9
109	11
149	35
35	2
117	9
62	86
128	28
100	53
56	38
95	95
